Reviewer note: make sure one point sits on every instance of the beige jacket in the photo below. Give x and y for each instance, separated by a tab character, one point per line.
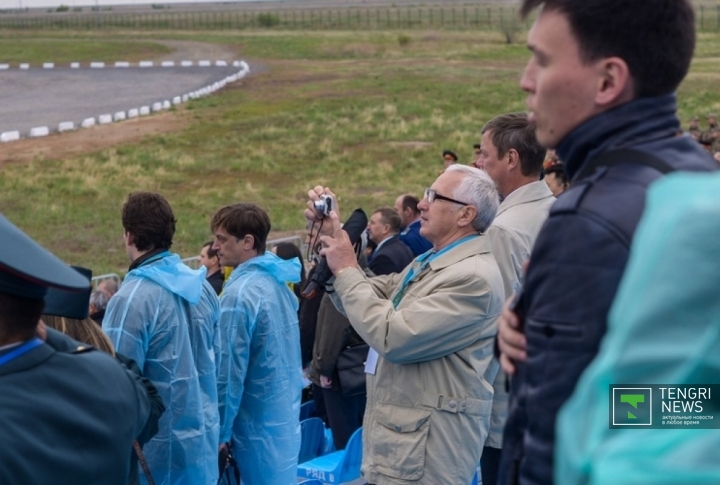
512	236
429	402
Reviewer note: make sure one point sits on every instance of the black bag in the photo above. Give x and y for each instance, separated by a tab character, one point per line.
351	369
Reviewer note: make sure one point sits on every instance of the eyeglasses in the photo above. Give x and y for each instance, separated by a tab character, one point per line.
431	196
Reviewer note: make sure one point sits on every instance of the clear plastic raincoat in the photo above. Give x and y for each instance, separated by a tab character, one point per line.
259	371
162	317
663	328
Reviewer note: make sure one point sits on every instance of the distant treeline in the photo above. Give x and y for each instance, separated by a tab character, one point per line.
416	17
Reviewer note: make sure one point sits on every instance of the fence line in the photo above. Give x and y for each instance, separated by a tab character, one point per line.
325	19
487	17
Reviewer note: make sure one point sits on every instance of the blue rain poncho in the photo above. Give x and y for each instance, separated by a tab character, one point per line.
663	328
259	371
164	317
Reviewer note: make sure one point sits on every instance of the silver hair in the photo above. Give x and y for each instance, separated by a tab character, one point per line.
477	189
99	299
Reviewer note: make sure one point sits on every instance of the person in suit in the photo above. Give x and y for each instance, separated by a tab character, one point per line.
209	259
407	206
391	254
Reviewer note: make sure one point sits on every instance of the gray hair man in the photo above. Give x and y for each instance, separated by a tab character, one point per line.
513	158
431	329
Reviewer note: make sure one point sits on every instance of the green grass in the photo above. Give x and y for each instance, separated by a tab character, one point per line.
356	111
64	50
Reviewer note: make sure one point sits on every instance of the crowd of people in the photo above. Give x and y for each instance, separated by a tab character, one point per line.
475	311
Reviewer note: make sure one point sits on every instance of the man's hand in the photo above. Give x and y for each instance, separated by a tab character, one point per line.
511	340
312	215
337	248
325	382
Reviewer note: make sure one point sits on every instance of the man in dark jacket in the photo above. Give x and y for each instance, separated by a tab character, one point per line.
70	413
391	254
592	89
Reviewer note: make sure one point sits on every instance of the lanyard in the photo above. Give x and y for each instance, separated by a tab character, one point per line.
421	263
18	351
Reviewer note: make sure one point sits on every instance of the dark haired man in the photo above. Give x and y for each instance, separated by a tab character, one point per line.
164	317
69	412
606	102
391	255
513	158
449	158
209	259
407	206
259	368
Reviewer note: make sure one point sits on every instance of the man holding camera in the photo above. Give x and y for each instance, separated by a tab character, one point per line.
432	329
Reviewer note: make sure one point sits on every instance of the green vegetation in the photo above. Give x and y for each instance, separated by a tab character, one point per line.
361	112
34	49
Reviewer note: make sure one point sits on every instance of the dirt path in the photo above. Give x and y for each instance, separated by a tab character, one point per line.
103	137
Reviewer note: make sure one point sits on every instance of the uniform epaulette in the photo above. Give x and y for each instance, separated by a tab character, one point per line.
81	349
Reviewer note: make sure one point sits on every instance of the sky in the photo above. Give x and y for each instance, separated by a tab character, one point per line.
14	4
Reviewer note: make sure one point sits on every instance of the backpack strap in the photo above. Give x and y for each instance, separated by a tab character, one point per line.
623	156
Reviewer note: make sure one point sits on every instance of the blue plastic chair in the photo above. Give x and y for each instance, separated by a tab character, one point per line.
329	445
312	439
307	410
338	467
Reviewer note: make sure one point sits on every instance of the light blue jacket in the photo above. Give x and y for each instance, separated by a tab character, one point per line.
259	371
663	329
164	317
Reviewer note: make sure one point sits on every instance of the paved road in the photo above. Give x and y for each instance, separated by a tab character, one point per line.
46	97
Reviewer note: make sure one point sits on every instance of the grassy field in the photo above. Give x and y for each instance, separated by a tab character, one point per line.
366	113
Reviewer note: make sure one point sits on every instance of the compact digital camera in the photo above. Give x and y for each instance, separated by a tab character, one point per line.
323	206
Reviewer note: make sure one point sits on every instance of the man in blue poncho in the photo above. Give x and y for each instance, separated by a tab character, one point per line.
165	318
259	369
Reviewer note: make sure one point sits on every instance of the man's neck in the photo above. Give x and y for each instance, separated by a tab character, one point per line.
455	236
13	338
141	256
517	183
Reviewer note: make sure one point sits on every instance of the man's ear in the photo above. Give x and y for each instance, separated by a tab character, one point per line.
248	242
513	159
467	216
615	83
128	238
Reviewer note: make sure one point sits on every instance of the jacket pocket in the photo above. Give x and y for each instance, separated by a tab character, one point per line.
399	439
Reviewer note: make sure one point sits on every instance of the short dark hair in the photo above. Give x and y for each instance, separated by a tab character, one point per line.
149	218
390	217
19	315
513	130
655	38
451	153
211	252
411	202
559	170
240	220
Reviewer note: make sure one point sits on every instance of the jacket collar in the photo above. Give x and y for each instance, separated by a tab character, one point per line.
531	192
31	359
476	245
638	121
